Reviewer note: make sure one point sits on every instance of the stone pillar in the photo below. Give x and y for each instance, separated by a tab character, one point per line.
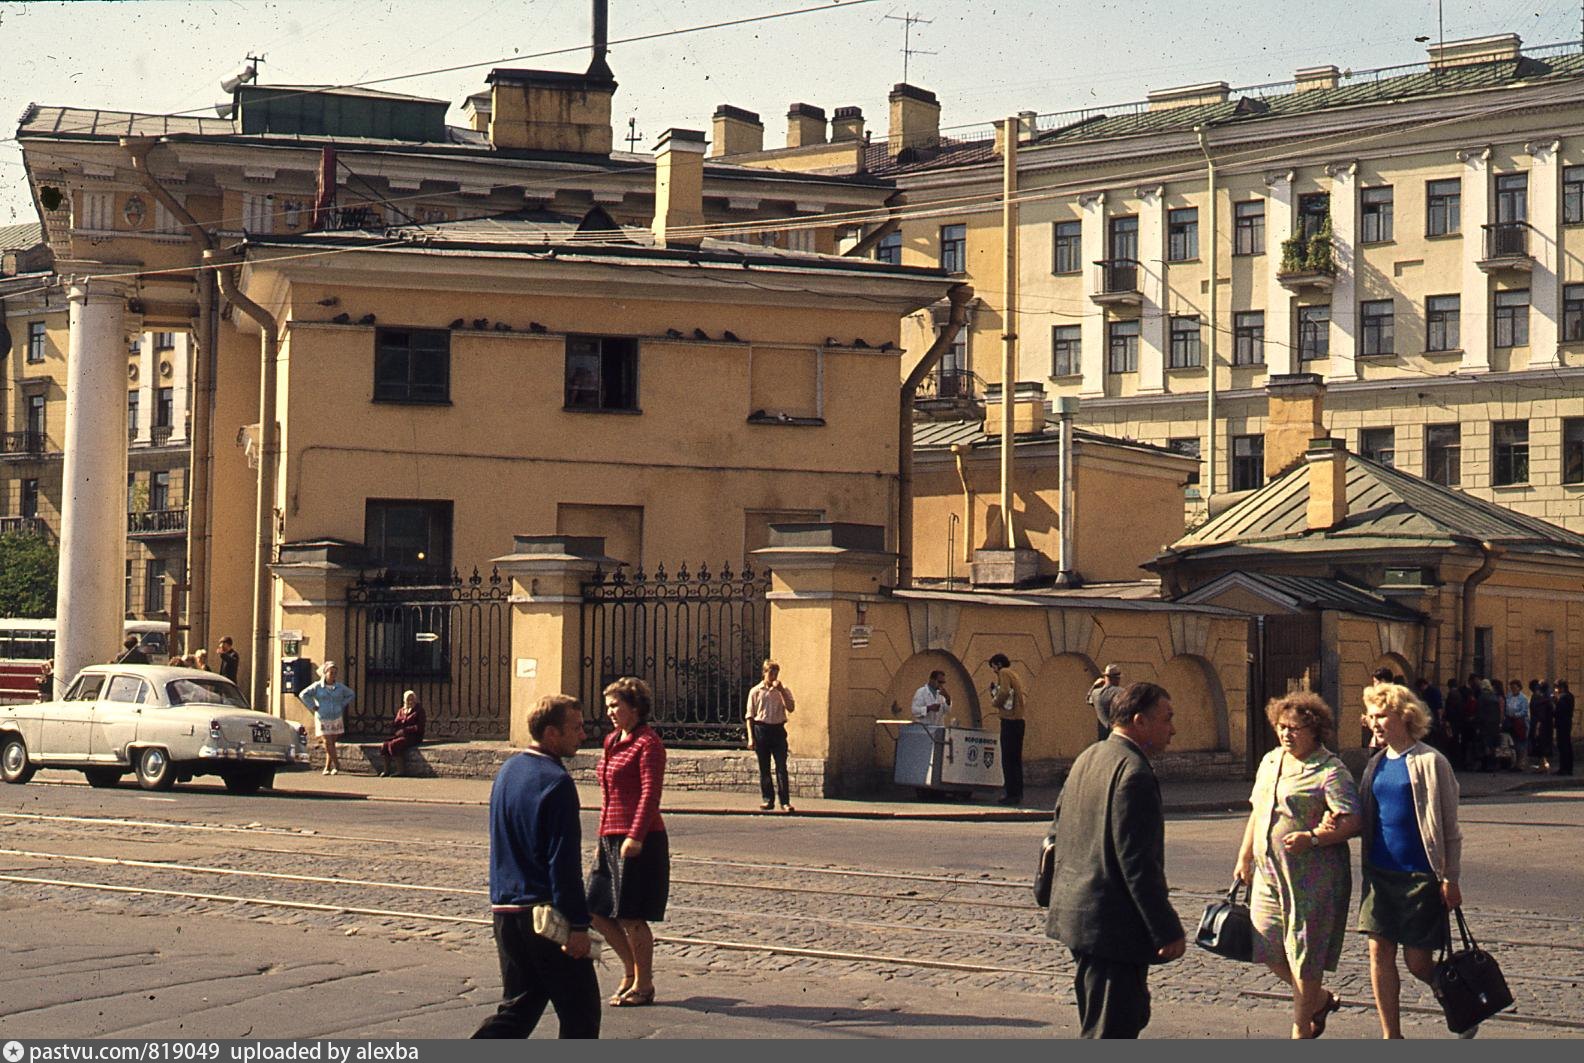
1281	348
88	600
1476	301
823	579
1152	289
314	578
181	366
547	574
1344	296
1092	326
1545	291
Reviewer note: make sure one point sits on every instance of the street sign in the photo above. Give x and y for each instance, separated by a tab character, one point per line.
427	636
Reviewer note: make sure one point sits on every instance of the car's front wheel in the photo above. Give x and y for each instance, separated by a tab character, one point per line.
154	769
103	778
14	766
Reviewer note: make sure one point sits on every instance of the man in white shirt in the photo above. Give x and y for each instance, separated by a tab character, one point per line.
932	701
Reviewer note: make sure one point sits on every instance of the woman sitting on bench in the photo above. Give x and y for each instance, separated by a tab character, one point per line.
406	732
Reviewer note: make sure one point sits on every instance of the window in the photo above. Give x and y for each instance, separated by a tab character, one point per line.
1124	238
1248	462
164	341
1248	228
411	537
954	248
1510	452
1182	234
1066	343
30	497
1573	195
1248	338
1512	318
1484	650
133	404
154	585
1375	209
1512	197
127	605
35	417
955	360
1188	445
164	407
1314	332
1379	444
86	688
412	365
1572	313
126	689
131	492
1313	210
1122	347
36	338
1442	329
889	249
1068	236
159	490
1184	343
1444	454
1375	326
601	373
1573	450
1444	207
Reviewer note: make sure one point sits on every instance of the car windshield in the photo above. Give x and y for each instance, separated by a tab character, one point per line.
215	691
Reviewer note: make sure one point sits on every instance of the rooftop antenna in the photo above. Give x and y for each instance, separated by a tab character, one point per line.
633	136
909	20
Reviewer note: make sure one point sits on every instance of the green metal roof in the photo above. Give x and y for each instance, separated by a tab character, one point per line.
1307	592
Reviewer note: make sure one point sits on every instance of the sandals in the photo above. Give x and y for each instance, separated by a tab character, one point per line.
1317	1021
634	998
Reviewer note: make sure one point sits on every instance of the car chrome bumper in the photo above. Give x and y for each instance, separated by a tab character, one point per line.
290	760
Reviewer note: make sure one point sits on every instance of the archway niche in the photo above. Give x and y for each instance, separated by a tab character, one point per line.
1060	722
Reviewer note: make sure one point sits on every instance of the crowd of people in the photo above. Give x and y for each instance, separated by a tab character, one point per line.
1480	724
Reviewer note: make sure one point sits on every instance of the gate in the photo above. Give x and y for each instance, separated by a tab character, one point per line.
1288	657
450	642
698	640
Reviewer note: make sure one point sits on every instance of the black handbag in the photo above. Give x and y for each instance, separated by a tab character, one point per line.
1467	983
1226	929
1045	873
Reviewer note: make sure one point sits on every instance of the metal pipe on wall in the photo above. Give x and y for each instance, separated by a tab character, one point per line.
1010	132
1211	359
1066	573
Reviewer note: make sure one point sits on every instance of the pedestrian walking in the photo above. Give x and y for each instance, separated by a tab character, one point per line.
932	701
407	731
131	652
1296	863
229	659
1542	723
1007	698
536	859
1562	719
1109	903
46	681
769	705
329	700
631	883
1412	848
1515	721
1105	689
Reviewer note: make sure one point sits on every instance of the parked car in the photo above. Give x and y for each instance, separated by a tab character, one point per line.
165	725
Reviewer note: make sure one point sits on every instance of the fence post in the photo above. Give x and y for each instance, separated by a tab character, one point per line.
314	580
547	574
823	579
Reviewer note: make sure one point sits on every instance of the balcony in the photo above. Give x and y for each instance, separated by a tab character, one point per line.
153	522
950	392
21	444
1307	262
1117	282
1506	247
24	526
159	435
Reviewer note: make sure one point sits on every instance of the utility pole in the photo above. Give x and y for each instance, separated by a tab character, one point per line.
633	136
909	20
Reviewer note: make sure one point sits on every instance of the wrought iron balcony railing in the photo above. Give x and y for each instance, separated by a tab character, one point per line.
157	522
21	442
1118	276
24	526
1506	239
951	385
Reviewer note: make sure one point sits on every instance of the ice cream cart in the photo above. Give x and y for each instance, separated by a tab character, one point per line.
940	759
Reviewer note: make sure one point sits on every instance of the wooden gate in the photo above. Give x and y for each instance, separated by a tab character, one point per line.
1287	658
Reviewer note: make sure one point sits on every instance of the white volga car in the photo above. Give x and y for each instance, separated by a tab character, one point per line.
166	725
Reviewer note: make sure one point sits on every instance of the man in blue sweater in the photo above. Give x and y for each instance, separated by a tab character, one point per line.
536	857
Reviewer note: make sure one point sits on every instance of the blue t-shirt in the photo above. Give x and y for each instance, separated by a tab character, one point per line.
1397	845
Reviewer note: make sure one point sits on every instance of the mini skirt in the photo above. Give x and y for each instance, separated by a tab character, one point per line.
631	889
1403	906
333	726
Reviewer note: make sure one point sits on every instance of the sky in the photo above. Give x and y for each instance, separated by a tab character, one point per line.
983	58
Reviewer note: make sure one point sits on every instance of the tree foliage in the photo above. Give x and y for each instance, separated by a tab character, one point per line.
27	575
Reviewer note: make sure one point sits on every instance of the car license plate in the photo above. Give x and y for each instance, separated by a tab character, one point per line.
262	733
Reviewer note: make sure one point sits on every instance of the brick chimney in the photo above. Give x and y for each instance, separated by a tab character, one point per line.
1328	505
1314	78
679	185
549	110
805	125
915	117
1294	416
736	131
847	124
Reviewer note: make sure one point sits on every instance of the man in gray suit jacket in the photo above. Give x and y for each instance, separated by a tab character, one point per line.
1108	901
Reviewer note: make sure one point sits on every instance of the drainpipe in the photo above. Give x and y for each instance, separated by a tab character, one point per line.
1470	586
958	451
264	499
1203	132
959	295
862	248
1009	221
1066	572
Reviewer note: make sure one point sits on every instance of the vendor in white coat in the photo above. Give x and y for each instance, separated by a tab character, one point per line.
931	702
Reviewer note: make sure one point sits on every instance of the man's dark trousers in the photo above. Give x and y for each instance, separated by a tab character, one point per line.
1012	757
770	740
535	972
1113	997
1564	743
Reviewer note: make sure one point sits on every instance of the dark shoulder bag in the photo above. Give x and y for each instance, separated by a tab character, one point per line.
1467	983
1226	929
1045	873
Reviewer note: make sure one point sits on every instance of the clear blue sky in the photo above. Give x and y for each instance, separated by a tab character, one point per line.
991	57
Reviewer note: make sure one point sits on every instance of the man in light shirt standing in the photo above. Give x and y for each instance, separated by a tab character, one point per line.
769	705
931	702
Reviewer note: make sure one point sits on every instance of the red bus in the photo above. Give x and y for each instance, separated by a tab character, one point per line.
26	644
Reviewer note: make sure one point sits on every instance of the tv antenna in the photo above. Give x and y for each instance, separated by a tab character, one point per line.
633	136
909	20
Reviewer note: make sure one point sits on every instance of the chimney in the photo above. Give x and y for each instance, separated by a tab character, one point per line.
1028	409
805	125
736	131
679	185
847	124
1503	47
476	109
548	110
597	67
1189	96
1312	78
1328	505
1294	416
915	117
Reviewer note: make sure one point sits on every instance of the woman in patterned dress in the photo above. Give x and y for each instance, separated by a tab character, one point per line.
1295	856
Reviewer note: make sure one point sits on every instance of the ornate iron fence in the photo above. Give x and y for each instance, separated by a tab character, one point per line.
450	642
697	639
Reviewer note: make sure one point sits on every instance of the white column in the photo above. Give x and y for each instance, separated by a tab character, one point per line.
1475	300
1545	294
148	385
1092	333
1281	340
1344	295
88	603
1152	289
181	362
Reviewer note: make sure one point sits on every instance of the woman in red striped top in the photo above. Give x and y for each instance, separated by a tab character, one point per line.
629	887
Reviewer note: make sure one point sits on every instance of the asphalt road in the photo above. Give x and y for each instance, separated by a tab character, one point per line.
224	916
